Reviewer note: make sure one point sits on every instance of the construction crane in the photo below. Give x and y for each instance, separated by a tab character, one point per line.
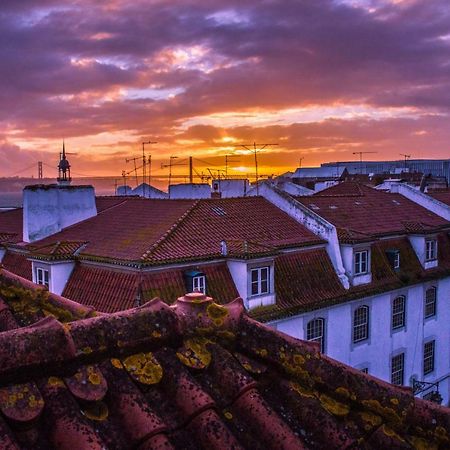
255	150
361	158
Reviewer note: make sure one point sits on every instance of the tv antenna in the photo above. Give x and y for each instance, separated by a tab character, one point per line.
255	151
229	159
300	162
144	164
137	158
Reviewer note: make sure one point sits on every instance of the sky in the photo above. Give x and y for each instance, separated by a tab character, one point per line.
322	79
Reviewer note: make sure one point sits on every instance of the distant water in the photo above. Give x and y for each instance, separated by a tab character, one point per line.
10	199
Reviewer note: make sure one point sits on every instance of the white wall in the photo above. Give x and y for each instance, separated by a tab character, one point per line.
189	191
229	188
48	209
376	352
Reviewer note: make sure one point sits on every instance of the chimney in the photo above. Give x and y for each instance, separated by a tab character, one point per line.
47	209
423	183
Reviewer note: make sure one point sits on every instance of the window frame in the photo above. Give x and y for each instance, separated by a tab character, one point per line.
358	262
396	260
429	356
259	281
200	280
363	325
319	338
427	303
43	277
430	250
399	313
399	371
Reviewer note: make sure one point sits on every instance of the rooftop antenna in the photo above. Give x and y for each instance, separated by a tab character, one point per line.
361	159
300	162
228	159
144	163
255	150
163	166
135	167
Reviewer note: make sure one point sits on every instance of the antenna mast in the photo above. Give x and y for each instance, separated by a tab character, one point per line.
144	163
255	150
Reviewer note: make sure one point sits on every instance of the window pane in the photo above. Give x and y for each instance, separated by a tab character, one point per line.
264	286
255	290
360	324
264	274
430	302
398	312
315	332
255	275
397	369
428	357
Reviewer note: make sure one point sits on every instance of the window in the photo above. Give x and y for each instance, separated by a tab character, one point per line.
428	357
259	281
394	258
199	284
430	250
361	324
430	302
42	276
315	332
398	312
398	369
361	262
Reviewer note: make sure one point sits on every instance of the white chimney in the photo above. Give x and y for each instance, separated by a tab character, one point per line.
47	209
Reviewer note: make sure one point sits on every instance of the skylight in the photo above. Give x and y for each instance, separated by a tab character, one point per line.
219	211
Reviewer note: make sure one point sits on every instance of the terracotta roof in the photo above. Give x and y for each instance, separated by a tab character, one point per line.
17	263
256	224
105	202
162	231
57	250
113	290
356	208
11	224
442	195
197	375
126	230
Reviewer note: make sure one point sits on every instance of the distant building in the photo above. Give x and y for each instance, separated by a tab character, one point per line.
435	167
318	178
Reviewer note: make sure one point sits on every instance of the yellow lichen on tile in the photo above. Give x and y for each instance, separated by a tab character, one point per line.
144	368
333	406
194	353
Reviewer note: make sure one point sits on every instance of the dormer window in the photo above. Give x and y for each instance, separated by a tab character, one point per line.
394	258
195	281
259	281
430	250
361	262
